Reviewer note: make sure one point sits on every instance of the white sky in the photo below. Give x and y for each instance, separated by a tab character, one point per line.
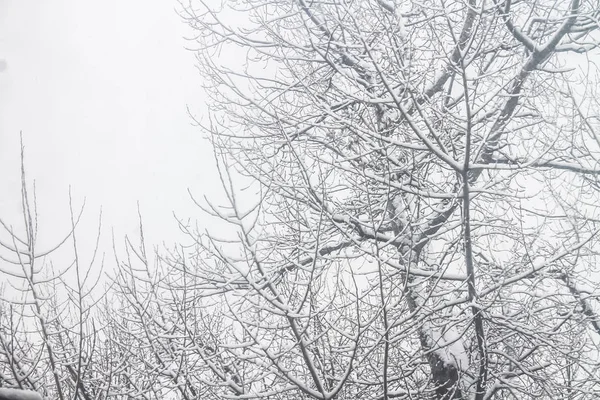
99	90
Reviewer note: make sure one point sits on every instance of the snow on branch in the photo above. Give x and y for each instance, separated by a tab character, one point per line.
447	344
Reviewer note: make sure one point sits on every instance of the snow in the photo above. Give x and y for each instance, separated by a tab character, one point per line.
403	207
16	394
398	203
390	115
448	345
368	67
388	5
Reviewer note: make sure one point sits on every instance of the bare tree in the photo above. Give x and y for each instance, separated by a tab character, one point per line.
47	333
413	186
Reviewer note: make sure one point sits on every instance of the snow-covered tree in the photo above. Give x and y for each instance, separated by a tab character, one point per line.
412	193
48	340
414	189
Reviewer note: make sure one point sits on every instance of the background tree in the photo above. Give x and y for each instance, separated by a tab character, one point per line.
48	338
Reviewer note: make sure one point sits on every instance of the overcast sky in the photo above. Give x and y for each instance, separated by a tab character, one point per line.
100	90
